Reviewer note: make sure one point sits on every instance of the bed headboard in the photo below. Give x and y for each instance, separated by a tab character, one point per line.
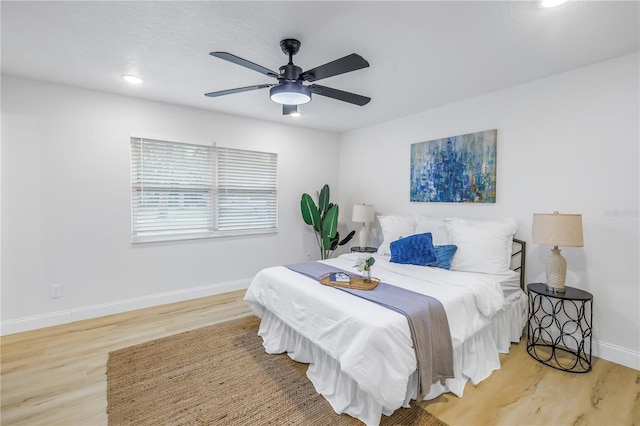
518	259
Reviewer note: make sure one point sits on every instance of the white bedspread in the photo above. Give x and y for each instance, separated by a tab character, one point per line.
371	344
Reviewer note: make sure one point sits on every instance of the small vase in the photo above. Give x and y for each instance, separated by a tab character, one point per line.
367	275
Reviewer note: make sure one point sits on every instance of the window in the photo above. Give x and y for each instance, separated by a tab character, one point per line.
247	195
183	191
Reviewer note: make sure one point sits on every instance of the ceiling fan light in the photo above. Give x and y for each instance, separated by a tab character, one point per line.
290	94
291	110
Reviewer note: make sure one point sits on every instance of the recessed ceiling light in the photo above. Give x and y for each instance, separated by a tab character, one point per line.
552	3
132	79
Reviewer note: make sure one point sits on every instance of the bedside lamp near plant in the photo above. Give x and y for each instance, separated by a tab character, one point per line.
363	213
557	230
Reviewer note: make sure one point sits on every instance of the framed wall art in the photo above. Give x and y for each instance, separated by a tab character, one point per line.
456	169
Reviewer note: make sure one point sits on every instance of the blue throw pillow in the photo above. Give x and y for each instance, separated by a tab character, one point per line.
414	250
444	255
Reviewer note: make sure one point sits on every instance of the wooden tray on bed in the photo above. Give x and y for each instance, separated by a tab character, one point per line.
355	282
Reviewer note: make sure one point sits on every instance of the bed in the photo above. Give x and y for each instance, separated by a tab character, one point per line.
361	355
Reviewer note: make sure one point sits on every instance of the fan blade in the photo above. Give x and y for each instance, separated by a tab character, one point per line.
339	66
238	90
243	62
339	95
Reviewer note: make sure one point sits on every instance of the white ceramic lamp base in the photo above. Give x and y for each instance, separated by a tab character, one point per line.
364	236
556	271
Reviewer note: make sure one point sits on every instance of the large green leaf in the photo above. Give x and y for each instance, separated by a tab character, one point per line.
323	199
330	224
310	213
326	247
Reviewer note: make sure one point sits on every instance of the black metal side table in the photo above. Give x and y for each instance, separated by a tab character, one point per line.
364	249
559	327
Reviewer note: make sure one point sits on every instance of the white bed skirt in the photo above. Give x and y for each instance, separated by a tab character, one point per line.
474	360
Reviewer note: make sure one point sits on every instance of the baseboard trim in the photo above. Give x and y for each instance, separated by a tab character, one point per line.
94	311
619	355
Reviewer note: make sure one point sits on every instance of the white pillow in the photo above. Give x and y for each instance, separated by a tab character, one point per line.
483	246
436	225
394	228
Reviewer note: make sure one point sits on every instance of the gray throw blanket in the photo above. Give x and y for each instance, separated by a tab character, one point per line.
427	321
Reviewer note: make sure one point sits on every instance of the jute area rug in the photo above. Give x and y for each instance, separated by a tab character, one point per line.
220	375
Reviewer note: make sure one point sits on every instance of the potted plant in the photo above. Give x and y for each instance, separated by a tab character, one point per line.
363	264
323	217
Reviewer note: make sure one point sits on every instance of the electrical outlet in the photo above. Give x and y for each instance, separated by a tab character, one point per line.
55	291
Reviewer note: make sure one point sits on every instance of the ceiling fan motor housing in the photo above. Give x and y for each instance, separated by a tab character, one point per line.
290	72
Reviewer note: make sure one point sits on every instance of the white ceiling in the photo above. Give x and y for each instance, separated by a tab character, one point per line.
422	54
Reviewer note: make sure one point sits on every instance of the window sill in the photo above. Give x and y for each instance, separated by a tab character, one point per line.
141	239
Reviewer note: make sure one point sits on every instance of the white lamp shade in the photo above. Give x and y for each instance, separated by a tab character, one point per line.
362	213
557	229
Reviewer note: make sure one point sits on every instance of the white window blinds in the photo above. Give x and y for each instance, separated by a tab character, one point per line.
172	189
182	191
247	190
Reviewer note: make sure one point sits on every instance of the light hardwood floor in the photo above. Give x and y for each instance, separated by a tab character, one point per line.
57	376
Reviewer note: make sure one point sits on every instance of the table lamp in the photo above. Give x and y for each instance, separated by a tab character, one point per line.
557	230
363	213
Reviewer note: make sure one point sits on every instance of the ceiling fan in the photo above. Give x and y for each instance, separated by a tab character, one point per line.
290	90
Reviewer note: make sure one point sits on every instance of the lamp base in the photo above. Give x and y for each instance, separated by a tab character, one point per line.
556	271
364	236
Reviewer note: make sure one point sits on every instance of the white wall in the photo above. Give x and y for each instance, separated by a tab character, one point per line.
567	143
66	204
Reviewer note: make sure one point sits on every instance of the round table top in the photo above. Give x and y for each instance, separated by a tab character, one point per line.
571	293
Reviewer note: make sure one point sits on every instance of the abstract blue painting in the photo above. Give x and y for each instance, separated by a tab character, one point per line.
458	169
